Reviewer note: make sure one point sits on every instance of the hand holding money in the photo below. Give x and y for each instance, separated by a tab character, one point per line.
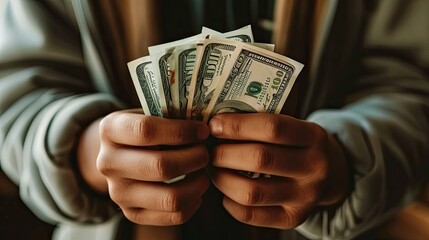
299	155
198	78
135	161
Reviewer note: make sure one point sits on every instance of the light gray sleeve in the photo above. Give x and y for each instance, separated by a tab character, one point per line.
46	100
385	128
103	231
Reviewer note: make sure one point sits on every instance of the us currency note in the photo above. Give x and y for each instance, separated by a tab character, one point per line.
256	80
214	57
159	55
184	58
209	69
146	86
183	61
173	110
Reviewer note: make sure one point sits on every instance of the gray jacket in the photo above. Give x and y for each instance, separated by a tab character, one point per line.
55	80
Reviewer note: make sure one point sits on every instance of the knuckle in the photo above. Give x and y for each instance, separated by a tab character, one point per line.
319	133
104	162
145	128
274	128
291	218
105	125
163	168
117	195
134	215
171	202
245	215
262	157
251	196
318	166
117	198
177	218
311	196
179	135
307	193
293	222
234	128
321	168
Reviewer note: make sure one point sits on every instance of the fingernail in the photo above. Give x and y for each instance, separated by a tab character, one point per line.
215	126
203	132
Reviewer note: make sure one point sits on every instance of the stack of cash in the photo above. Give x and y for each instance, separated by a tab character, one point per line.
200	76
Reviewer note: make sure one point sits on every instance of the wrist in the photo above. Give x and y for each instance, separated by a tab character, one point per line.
338	181
87	152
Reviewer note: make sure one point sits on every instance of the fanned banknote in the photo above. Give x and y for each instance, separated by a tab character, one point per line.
182	62
209	73
256	80
146	86
159	55
182	67
209	69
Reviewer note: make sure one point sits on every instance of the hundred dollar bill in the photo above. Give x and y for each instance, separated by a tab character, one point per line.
145	84
183	62
209	69
214	57
257	80
184	57
159	55
173	110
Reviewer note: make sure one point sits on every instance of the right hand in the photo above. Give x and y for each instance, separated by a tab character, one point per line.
136	168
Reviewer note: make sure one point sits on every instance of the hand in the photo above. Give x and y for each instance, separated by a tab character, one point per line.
306	165
136	168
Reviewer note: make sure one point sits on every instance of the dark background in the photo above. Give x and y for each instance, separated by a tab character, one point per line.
16	220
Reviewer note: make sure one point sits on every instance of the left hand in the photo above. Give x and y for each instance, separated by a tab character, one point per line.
306	164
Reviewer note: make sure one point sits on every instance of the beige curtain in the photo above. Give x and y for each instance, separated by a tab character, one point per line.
132	25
